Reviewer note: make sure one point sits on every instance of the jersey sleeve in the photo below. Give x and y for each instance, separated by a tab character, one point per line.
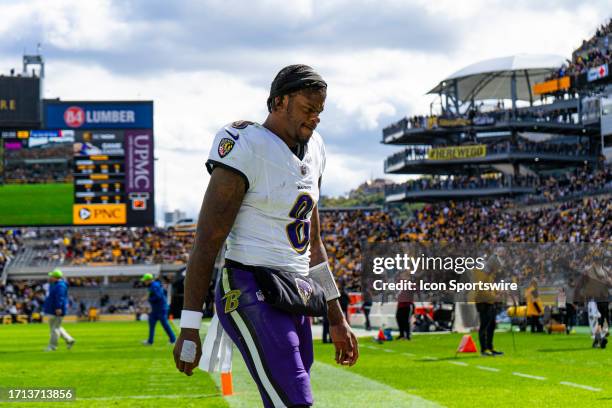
232	150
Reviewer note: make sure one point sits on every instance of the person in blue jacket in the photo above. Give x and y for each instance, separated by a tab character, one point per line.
159	309
55	306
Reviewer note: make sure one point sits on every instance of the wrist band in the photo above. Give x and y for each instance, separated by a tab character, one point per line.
191	319
323	275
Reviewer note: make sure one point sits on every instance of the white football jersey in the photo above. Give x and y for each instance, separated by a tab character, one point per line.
272	227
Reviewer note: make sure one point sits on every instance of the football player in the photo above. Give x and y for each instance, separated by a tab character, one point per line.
262	197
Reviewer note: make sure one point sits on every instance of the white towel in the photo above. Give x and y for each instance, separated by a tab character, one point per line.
217	349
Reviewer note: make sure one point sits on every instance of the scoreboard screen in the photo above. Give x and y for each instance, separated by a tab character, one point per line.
81	174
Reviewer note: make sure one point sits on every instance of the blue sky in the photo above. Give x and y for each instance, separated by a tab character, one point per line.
207	63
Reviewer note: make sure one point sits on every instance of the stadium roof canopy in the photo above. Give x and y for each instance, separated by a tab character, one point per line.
492	78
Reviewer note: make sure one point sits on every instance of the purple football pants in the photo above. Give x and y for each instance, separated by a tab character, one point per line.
276	346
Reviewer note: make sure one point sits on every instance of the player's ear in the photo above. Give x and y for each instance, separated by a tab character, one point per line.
280	102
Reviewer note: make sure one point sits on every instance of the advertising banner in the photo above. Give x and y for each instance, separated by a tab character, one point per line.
553	85
139	161
597	73
139	177
442	122
457	152
99	214
98	115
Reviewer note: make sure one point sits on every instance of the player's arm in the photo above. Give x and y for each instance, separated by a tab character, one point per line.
345	342
61	299
221	203
156	292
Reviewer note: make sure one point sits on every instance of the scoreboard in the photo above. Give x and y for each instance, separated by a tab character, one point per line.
113	160
99	168
99	176
99	155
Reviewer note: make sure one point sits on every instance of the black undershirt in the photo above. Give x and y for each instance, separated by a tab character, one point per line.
299	150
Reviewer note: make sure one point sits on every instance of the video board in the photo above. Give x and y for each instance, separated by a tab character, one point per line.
72	173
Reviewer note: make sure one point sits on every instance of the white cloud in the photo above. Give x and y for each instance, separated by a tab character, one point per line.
67	24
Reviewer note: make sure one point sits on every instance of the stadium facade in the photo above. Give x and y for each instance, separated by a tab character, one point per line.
477	147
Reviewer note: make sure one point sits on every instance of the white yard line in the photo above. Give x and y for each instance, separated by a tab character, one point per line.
430	358
584	387
409	354
533	377
495	370
388	351
123	397
459	363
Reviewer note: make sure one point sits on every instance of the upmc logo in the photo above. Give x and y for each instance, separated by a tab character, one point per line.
74	116
99	214
139	161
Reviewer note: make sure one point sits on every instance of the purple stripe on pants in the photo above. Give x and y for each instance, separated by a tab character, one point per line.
283	341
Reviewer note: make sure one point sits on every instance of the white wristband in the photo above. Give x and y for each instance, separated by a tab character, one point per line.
323	275
191	319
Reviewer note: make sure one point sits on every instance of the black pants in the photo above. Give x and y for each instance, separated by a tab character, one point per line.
367	306
604	311
402	316
570	316
326	336
486	330
536	325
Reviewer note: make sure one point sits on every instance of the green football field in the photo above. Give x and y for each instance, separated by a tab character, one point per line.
109	367
36	204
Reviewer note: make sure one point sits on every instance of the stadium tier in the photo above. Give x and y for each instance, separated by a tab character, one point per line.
476	146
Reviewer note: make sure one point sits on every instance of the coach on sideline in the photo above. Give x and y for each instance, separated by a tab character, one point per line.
55	307
159	309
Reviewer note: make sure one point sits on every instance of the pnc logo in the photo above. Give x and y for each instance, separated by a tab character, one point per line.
84	213
74	116
93	214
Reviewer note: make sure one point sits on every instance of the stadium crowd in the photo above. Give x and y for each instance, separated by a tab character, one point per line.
547	188
573	183
38	173
118	245
43	164
462	183
10	242
578	218
472	221
483	115
593	53
48	151
21	298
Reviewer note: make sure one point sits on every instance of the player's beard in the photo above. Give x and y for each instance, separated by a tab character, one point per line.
304	134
